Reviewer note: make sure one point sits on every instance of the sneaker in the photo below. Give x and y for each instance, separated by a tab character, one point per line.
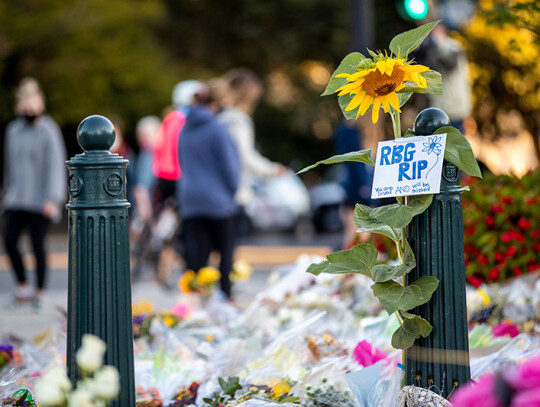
24	293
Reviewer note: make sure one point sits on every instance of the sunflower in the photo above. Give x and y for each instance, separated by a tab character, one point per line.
185	282
376	84
207	275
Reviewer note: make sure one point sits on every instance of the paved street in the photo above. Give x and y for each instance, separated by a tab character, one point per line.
263	251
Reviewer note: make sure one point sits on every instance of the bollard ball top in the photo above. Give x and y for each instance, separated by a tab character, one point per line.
96	133
429	120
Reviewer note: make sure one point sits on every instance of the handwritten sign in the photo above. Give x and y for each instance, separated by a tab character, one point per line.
409	166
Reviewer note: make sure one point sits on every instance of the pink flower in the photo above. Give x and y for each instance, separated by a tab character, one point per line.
366	355
480	394
182	310
505	328
527	376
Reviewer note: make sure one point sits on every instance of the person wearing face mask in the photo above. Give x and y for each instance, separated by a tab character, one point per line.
34	184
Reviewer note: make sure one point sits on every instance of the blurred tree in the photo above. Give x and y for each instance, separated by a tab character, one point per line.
97	57
503	44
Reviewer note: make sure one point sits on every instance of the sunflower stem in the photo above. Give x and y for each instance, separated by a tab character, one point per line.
396	123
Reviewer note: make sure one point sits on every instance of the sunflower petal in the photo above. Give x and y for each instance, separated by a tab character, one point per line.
385	103
359	74
381	66
415	68
375	110
393	100
355	101
366	103
390	66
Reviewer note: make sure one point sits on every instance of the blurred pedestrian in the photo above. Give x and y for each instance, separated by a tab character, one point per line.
447	56
357	181
210	178
123	148
35	184
146	133
245	91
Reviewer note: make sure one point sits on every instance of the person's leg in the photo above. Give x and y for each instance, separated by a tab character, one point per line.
197	240
13	225
39	226
223	233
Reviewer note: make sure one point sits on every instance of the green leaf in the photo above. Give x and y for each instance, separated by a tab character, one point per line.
433	84
398	216
358	259
347	65
343	102
413	327
402	44
230	386
362	156
459	152
409	133
385	272
362	218
404	97
393	296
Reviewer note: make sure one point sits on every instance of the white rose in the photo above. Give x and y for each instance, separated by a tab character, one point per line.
90	355
57	374
106	383
49	394
80	398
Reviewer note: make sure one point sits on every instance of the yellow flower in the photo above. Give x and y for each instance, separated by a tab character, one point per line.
185	281
142	307
377	85
207	275
279	387
169	321
241	271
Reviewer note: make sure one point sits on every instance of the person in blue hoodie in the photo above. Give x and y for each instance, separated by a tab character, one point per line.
210	178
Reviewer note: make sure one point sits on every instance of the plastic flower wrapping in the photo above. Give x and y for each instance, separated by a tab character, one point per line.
303	341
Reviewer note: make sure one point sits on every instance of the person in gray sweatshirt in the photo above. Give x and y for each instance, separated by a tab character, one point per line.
34	184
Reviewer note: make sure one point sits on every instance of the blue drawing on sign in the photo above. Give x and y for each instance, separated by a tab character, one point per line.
433	145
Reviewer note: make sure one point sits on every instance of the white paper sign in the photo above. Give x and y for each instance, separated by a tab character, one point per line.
409	166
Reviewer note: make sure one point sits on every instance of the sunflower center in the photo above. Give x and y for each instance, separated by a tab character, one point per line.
377	84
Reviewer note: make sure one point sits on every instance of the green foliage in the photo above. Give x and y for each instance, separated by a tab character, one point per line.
403	44
393	296
358	259
458	151
366	223
399	216
362	156
347	65
413	327
385	272
230	386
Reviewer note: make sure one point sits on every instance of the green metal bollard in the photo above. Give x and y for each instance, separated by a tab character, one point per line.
436	236
99	294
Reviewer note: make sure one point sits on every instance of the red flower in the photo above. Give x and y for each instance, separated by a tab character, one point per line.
507	200
482	260
524	224
519	237
469	248
536	247
494	274
496	209
525	249
533	267
474	281
499	257
506	237
517	271
511	251
470	231
531	201
490	221
535	234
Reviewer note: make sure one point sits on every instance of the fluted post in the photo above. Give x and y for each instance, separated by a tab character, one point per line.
99	291
436	237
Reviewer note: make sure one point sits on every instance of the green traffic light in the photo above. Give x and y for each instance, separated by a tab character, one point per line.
416	9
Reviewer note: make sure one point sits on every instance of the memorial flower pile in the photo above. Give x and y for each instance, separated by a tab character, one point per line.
144	316
6	354
502	227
